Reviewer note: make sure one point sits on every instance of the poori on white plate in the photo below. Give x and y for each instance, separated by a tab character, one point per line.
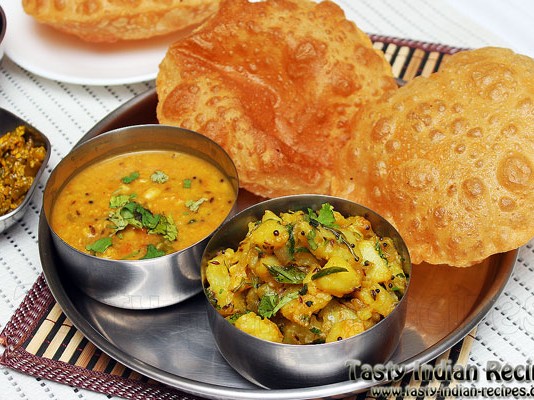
113	20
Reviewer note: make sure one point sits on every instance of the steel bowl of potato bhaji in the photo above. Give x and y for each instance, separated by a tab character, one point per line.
302	287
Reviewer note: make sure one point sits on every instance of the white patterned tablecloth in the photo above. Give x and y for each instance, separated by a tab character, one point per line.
64	112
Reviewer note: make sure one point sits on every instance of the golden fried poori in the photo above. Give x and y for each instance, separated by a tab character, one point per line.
113	20
275	83
449	159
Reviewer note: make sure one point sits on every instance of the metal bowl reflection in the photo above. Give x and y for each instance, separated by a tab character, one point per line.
281	366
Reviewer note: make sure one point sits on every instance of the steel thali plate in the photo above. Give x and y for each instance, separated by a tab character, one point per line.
174	345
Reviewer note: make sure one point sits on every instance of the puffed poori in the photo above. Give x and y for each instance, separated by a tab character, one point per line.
449	159
113	20
275	83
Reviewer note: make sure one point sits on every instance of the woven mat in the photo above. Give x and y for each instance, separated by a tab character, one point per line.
40	340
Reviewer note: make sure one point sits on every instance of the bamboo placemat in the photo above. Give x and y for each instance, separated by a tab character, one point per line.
41	341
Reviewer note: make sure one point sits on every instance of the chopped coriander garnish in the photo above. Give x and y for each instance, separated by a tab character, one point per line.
120	200
310	236
127	212
159	177
100	245
130	178
315	330
152	252
286	274
291	241
271	303
234	317
325	216
186	183
195	205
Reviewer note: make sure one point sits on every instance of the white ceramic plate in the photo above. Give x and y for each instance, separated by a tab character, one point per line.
54	55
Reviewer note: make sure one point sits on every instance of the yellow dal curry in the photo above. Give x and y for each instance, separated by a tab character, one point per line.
142	205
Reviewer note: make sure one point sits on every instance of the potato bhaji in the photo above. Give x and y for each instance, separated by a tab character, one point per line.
307	277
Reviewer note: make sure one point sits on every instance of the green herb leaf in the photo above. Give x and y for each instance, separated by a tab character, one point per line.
195	205
130	178
134	214
166	227
380	252
315	330
186	183
325	216
271	303
100	245
152	252
148	220
291	241
267	305
328	271
120	200
234	317
289	274
310	236
159	177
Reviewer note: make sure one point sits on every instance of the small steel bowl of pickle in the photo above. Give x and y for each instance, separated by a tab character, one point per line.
302	287
131	210
24	154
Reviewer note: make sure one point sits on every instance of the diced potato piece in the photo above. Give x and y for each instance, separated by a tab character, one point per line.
238	277
218	277
298	334
151	193
307	260
269	215
378	270
270	235
339	283
262	328
260	267
384	303
345	329
301	309
379	299
335	312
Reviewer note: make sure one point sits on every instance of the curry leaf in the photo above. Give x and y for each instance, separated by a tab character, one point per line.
328	271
